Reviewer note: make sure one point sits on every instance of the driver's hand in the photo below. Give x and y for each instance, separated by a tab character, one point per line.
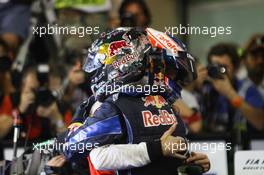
200	159
171	145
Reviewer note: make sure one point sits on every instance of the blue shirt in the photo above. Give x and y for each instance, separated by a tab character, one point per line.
219	114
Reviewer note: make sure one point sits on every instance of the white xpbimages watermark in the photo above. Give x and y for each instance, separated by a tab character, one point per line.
211	147
78	147
146	89
55	29
212	31
181	146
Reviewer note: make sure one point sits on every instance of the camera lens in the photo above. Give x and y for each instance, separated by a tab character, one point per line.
128	20
216	71
222	70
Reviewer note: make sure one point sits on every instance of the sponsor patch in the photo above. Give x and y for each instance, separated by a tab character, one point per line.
163	118
115	47
128	58
163	41
157	101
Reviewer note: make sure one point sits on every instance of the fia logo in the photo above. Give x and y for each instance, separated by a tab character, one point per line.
254	162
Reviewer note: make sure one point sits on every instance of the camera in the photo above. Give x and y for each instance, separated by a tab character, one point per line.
216	71
5	63
128	20
44	97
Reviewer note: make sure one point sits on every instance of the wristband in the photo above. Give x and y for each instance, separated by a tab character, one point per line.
154	149
236	102
193	118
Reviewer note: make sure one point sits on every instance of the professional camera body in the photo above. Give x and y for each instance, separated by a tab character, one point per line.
5	63
216	71
43	95
128	20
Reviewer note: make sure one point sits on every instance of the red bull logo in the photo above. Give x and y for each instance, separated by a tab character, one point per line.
163	118
125	59
157	101
159	76
115	47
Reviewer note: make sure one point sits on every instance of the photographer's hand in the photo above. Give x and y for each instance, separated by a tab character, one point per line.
57	161
171	146
55	165
202	75
253	114
27	98
49	111
224	87
52	112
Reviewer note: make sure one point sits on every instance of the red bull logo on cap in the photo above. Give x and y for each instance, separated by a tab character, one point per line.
115	47
157	101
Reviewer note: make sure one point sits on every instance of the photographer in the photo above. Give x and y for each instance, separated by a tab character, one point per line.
14	22
40	113
32	123
254	62
6	90
231	98
76	90
134	13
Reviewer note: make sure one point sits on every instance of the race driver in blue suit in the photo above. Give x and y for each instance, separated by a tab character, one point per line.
133	129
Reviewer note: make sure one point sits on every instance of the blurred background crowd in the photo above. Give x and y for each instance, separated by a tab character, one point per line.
42	80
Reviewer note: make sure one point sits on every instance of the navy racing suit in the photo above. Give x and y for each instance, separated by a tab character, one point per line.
130	119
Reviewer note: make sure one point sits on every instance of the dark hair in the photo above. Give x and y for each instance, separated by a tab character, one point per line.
255	45
225	49
29	69
57	70
141	3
